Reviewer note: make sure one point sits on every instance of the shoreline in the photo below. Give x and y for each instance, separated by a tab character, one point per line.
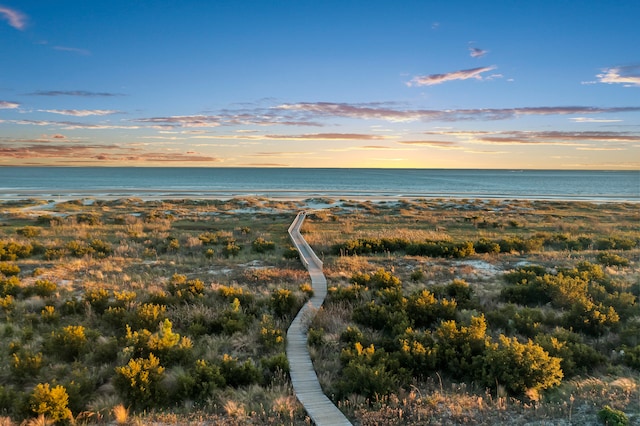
295	195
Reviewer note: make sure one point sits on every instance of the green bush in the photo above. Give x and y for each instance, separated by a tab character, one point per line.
200	381
231	249
283	302
9	286
42	288
185	289
29	231
69	343
612	259
612	417
365	372
238	374
139	382
260	245
98	298
51	402
520	366
9	269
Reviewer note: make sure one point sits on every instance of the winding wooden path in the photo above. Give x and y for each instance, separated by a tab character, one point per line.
303	377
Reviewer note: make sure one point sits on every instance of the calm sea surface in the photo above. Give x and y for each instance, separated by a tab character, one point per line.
50	182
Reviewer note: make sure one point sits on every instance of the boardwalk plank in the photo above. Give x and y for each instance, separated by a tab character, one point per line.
303	376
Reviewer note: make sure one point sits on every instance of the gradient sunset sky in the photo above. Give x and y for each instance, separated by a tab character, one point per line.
300	83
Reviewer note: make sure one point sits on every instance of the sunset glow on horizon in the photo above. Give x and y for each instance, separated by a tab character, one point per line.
408	84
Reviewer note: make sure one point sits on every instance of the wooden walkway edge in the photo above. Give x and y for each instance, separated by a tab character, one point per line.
303	377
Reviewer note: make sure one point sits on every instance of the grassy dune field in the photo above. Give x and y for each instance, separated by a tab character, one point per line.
439	311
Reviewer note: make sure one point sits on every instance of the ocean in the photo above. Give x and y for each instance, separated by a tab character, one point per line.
159	182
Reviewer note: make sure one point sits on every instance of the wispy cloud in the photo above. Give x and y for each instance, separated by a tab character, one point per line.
15	18
95	153
557	137
433	144
77	50
327	136
312	110
433	79
629	76
80	93
8	105
593	120
80	112
475	52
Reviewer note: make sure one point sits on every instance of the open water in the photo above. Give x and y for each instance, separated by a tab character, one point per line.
159	182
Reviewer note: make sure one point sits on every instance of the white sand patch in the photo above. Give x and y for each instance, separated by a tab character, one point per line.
481	268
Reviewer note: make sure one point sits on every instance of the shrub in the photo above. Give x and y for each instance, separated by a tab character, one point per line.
9	286
78	248
291	253
610	259
238	374
140	382
98	298
9	269
271	337
149	315
260	245
200	382
520	367
231	249
462	348
283	302
51	402
365	372
42	288
69	343
613	417
29	231
25	363
185	289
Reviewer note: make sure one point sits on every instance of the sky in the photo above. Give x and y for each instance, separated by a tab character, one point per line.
545	84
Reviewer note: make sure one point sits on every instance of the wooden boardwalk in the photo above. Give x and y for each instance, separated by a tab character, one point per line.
303	377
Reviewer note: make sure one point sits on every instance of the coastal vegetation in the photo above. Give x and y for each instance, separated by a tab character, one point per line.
445	311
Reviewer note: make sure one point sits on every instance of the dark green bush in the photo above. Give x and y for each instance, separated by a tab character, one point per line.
238	374
612	417
260	245
520	366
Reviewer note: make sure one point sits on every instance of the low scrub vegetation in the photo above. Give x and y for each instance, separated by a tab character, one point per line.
176	311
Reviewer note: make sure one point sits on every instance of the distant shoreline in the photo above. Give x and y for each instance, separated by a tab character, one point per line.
288	195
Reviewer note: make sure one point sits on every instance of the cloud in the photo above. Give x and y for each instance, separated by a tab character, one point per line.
629	76
477	53
8	105
81	112
16	19
77	50
81	93
311	110
556	138
433	144
185	120
593	120
433	79
92	153
327	136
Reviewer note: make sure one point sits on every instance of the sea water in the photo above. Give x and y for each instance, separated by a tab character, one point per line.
159	182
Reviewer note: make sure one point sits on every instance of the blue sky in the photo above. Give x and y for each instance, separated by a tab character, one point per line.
427	84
